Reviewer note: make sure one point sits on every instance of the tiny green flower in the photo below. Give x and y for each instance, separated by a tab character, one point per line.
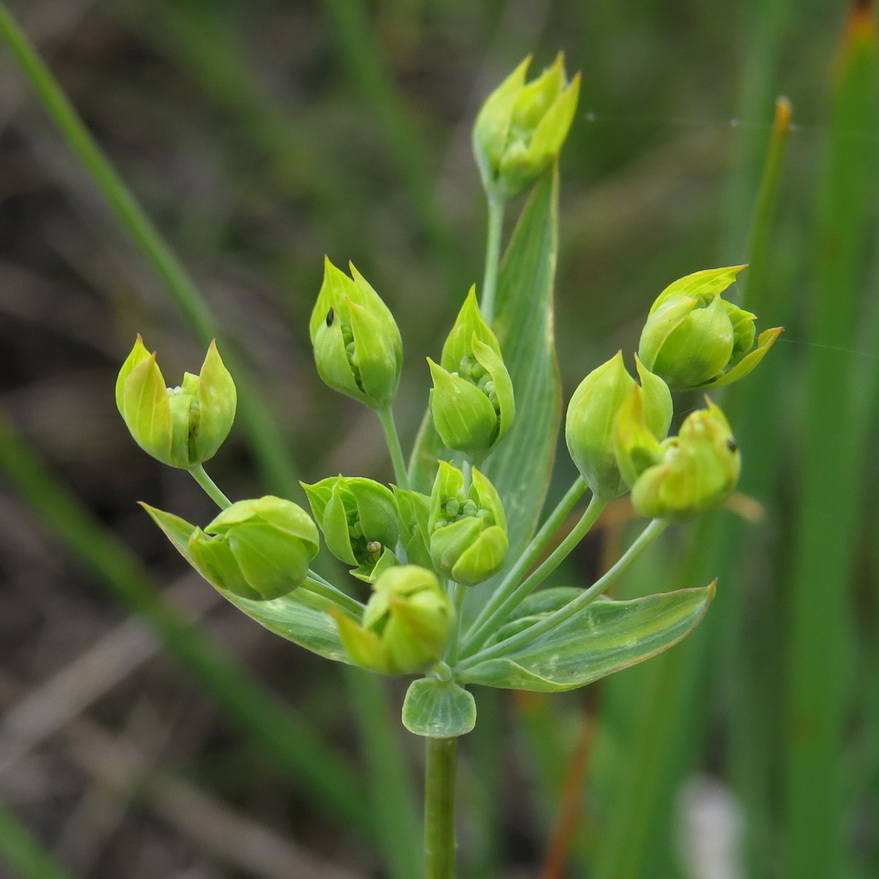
472	400
357	346
406	624
697	471
521	127
257	549
358	518
694	338
182	426
468	529
589	424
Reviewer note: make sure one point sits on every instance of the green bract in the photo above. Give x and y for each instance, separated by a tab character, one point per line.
357	346
258	549
521	128
468	530
472	397
697	470
358	518
182	426
695	339
406	624
589	425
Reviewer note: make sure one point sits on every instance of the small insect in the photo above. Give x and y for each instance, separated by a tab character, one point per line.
331	314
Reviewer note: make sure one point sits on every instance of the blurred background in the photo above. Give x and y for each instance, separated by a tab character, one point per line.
150	730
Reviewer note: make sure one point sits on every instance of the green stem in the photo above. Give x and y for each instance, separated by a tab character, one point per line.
459	593
492	255
316	584
257	420
529	556
647	536
392	438
439	808
211	489
511	592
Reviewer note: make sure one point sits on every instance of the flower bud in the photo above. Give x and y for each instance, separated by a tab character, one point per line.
472	399
698	469
358	518
589	424
695	339
468	530
406	624
521	128
258	549
357	346
183	426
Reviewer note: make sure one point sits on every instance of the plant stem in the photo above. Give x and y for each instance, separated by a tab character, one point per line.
527	559
392	438
496	207
439	808
647	536
459	595
530	583
316	584
211	489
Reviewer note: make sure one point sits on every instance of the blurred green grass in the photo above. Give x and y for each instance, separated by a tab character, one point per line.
261	135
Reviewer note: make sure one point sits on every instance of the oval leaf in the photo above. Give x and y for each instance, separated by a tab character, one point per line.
606	636
300	617
438	709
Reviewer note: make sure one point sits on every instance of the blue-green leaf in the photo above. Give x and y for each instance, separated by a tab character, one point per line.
438	709
300	617
606	636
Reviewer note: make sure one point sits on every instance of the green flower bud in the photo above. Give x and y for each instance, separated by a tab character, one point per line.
468	530
358	518
521	128
698	469
695	339
183	426
635	446
472	399
406	624
258	549
589	425
413	509
357	346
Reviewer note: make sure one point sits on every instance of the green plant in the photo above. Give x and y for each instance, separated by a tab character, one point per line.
449	550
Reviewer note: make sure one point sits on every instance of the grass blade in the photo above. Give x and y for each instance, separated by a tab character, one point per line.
21	850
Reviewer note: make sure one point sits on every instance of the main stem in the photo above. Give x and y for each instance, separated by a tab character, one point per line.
492	256
439	808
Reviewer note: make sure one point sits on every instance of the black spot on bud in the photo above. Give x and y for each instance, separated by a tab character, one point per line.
731	444
330	317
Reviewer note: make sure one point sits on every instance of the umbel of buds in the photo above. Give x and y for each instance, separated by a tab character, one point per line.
358	518
257	549
521	127
182	426
693	472
694	338
357	346
468	530
589	424
406	624
472	399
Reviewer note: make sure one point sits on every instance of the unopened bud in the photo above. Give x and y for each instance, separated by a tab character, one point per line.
182	426
694	338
